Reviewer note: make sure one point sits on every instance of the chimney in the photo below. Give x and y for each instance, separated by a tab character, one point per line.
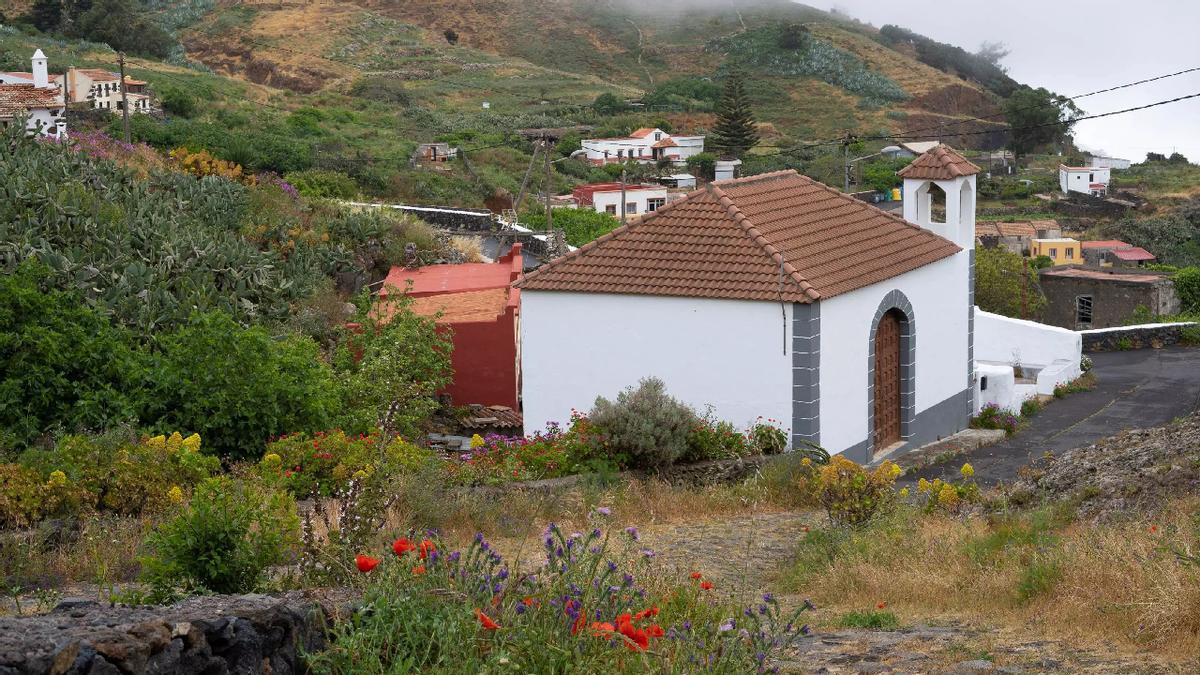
41	79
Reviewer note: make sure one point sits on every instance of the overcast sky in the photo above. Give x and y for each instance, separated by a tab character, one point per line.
1076	47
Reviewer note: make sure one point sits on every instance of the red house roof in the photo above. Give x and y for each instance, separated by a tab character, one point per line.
584	194
21	98
442	279
776	236
1134	254
1106	243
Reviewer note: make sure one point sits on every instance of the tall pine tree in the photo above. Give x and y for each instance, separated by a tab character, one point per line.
734	132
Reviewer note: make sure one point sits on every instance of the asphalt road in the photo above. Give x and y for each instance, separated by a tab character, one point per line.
1135	389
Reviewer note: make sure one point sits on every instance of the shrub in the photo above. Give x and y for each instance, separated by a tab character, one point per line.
1031	407
852	495
383	89
711	439
238	386
65	366
222	541
767	438
26	497
430	608
870	620
202	163
949	496
1187	284
178	101
323	463
645	424
579	225
551	453
126	475
992	416
323	184
393	362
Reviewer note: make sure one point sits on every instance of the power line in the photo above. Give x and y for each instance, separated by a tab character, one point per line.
1034	107
977	133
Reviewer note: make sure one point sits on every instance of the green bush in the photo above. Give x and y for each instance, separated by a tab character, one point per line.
579	225
703	165
768	439
65	366
392	360
323	463
870	620
26	497
712	439
238	386
222	541
178	101
382	88
1031	407
852	495
1187	285
125	474
645	424
992	416
323	184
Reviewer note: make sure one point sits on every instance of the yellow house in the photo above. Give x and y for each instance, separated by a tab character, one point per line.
1063	250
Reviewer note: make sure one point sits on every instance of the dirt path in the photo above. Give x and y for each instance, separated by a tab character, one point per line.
744	554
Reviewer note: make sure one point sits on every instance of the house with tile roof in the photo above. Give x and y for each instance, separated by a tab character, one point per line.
778	296
1088	180
476	305
39	101
645	146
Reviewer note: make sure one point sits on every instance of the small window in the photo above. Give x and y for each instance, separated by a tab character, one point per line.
658	136
1091	178
655	204
631	207
1083	310
1054	253
611	209
1070	252
983	383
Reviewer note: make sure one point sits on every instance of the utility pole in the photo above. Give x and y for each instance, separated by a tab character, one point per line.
549	185
622	196
124	100
846	162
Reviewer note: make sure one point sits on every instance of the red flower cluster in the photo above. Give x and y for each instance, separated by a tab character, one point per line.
365	563
704	583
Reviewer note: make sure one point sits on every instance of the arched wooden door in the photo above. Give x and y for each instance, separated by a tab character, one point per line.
887	381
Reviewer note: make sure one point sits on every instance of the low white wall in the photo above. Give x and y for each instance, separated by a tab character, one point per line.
1001	341
1004	340
725	353
1000	385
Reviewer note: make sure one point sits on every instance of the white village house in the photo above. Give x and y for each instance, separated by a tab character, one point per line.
773	295
607	197
644	146
1089	180
38	100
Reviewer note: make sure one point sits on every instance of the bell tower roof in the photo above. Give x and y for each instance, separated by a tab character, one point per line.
940	163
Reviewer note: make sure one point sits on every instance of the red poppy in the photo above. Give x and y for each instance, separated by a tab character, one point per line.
485	620
527	601
602	629
706	585
653	611
365	563
427	547
579	623
418	570
655	631
637	640
1153	529
881	605
402	546
696	575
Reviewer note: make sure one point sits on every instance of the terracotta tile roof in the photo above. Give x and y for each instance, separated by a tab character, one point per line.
666	143
940	163
775	236
490	417
1134	254
1106	243
997	229
21	98
641	133
1102	275
483	305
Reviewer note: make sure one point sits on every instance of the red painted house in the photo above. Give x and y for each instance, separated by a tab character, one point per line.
477	303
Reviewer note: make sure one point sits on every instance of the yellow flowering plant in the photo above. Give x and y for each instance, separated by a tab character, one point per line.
950	497
852	494
326	461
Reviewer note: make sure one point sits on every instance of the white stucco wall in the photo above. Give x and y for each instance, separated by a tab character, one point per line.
1000	339
639	198
724	353
940	313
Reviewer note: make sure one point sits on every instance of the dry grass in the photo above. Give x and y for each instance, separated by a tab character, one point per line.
470	248
1088	583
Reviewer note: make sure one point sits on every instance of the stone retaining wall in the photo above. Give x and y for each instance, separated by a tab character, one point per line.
1153	336
210	635
700	473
